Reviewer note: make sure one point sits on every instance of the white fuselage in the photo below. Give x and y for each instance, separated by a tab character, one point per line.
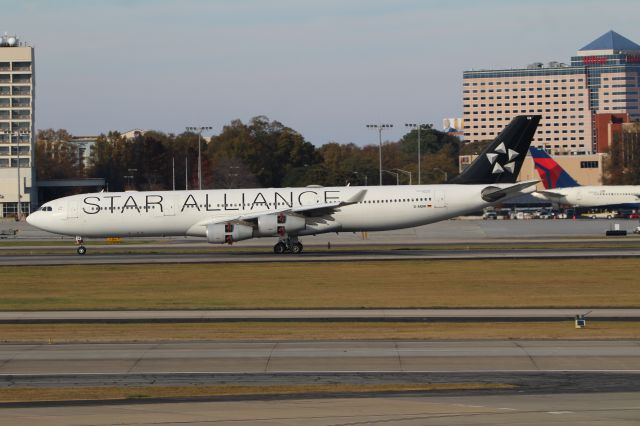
188	213
592	196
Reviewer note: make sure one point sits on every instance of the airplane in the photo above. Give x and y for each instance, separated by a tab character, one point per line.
561	188
227	216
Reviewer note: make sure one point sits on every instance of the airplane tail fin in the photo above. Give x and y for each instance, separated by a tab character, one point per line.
500	162
551	174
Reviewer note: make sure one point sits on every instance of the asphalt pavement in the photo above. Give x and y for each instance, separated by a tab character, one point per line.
320	357
335	315
571	409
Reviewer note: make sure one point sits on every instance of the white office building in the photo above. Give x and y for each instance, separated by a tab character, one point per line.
17	94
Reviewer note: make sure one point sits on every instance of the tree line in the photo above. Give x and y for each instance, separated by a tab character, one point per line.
259	153
622	164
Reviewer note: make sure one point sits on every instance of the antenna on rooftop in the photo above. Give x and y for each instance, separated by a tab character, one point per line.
8	40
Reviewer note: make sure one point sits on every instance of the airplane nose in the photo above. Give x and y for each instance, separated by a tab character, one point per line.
31	219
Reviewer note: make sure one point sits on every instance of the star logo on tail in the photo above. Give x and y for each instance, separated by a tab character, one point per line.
498	168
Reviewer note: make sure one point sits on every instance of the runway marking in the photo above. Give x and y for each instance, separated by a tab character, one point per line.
531	359
273	348
560	412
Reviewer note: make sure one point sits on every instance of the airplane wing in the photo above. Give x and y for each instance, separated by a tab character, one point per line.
309	210
494	193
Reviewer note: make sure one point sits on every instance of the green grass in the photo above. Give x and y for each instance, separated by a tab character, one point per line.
439	284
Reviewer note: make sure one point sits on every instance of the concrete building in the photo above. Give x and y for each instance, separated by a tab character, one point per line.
84	146
603	78
17	94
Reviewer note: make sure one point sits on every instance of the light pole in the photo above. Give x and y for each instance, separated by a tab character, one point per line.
446	175
379	128
419	126
132	177
362	174
406	173
397	175
199	130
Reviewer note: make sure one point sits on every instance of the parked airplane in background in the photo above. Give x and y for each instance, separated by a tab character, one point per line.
226	216
561	188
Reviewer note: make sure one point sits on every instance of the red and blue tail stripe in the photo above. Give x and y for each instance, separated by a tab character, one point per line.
552	175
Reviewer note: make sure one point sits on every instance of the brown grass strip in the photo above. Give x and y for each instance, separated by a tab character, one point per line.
309	331
521	283
141	392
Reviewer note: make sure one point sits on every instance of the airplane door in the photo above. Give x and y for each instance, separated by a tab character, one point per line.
169	206
439	199
72	209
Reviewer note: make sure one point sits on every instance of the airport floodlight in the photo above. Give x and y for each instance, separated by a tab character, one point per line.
366	178
446	175
379	128
199	130
408	173
397	175
419	127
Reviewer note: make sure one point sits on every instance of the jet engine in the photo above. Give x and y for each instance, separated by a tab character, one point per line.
280	224
227	233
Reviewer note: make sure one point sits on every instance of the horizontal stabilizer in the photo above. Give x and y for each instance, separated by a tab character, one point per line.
492	194
550	194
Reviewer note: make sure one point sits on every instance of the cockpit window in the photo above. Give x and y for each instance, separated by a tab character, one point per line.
46	209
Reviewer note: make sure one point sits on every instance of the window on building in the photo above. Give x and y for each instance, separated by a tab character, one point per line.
589	164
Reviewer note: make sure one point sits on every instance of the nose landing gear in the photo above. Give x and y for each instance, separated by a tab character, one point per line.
81	248
288	244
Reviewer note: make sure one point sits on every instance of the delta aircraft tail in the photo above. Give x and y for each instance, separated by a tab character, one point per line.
552	175
500	162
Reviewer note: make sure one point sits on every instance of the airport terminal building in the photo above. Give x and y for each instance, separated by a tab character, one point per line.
577	102
16	126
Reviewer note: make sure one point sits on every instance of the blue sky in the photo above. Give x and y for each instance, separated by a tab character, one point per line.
325	68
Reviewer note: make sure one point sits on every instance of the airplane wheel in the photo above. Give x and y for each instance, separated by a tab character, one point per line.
296	248
279	248
82	250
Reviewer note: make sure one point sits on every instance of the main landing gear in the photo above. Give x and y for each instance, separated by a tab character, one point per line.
81	248
289	244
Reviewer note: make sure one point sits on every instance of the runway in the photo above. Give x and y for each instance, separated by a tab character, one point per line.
320	256
321	357
553	381
333	315
463	229
591	409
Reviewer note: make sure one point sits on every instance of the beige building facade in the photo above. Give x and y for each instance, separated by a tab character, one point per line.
603	77
16	126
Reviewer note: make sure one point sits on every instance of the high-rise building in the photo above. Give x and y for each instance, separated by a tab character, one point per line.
603	78
16	126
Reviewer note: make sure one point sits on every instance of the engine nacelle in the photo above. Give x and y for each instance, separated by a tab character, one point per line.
280	224
221	233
